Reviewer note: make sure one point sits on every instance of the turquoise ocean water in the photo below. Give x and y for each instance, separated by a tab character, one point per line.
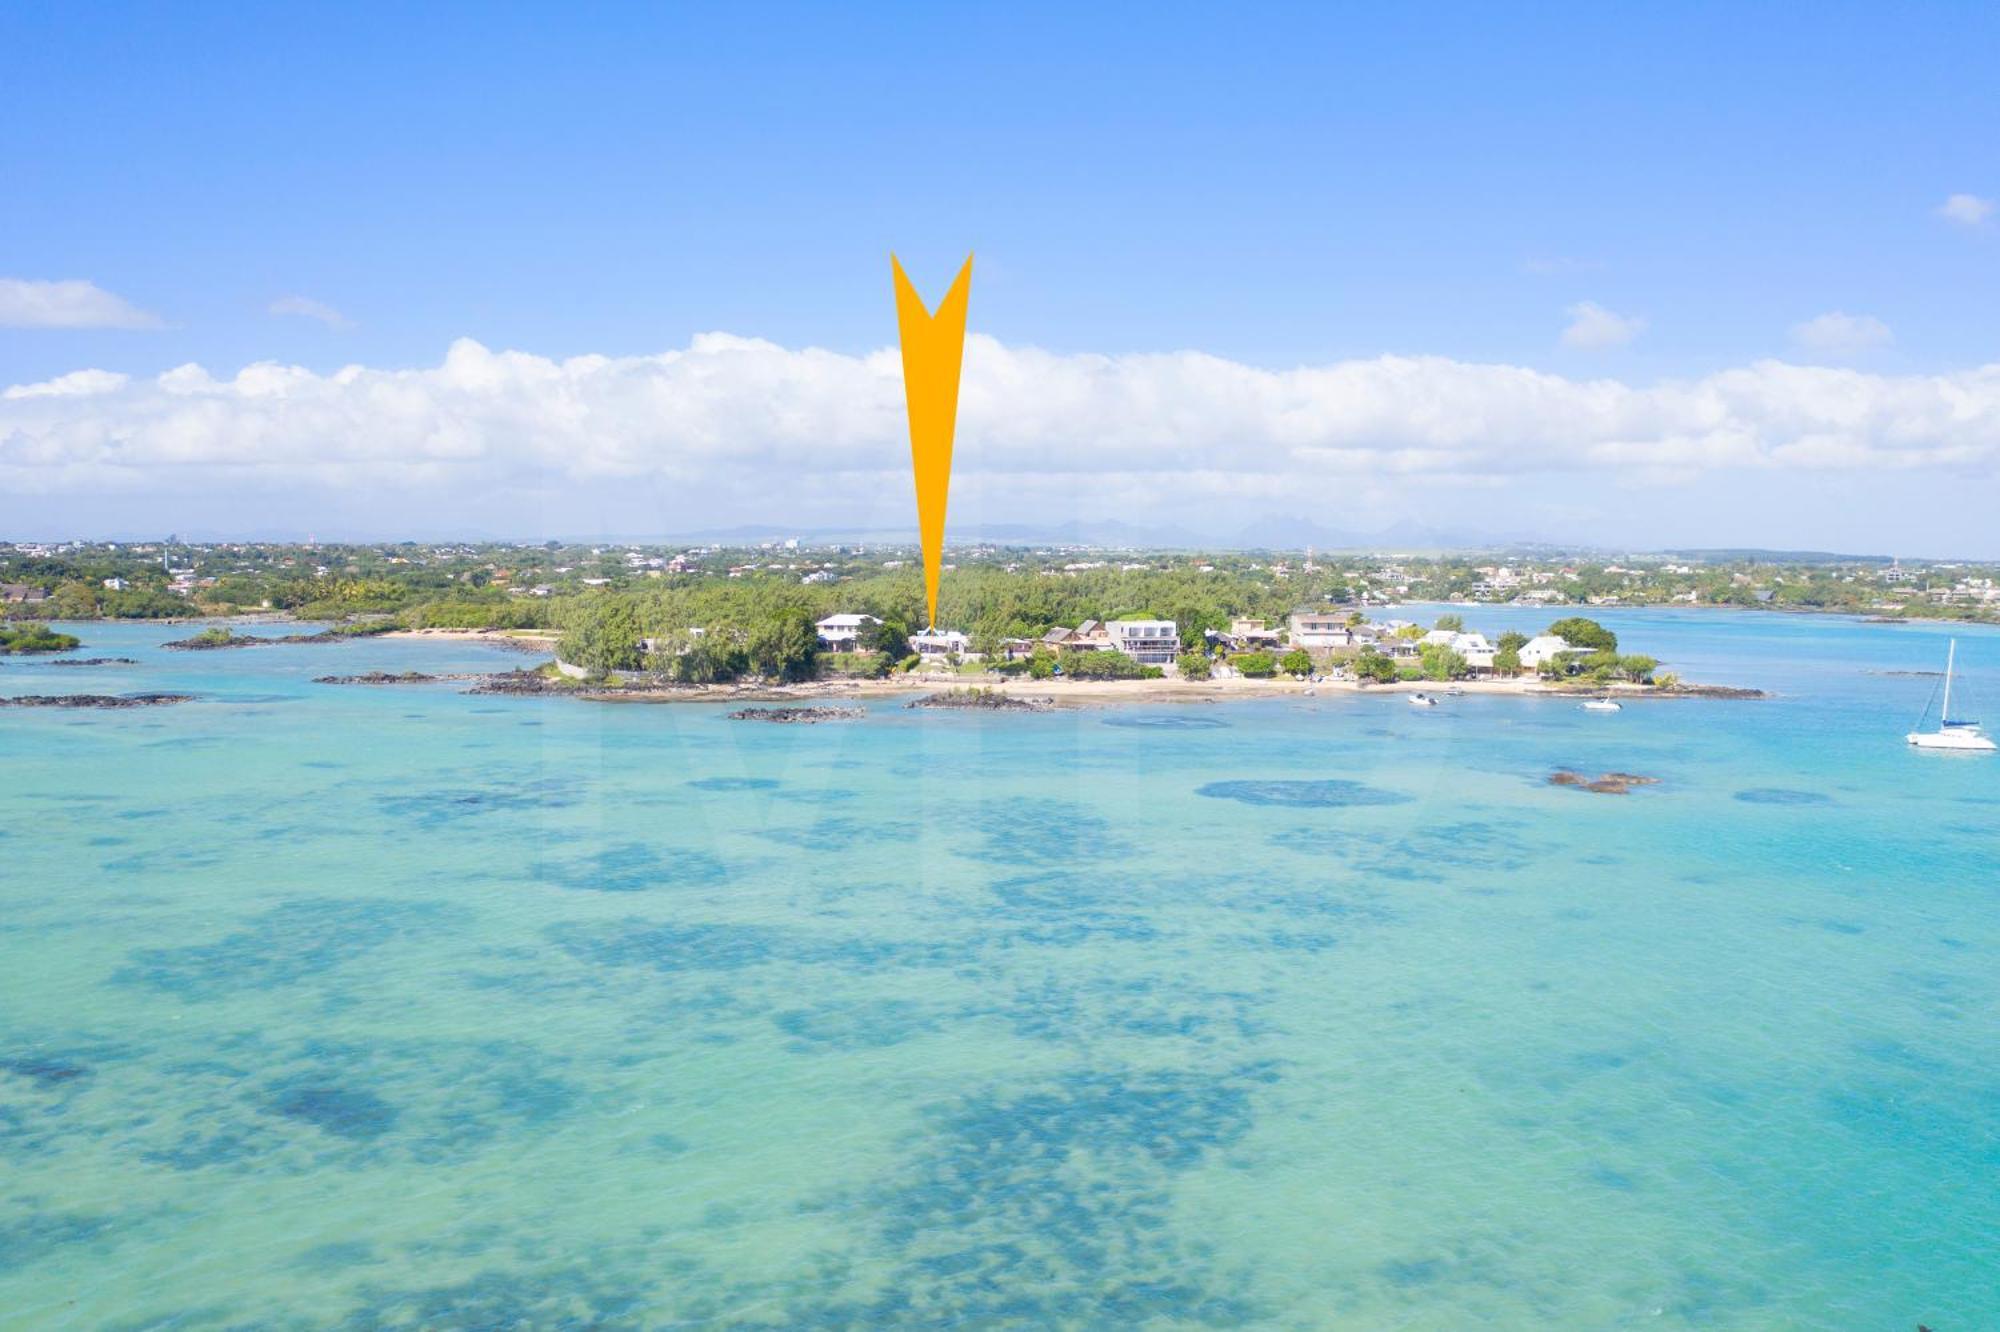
361	1008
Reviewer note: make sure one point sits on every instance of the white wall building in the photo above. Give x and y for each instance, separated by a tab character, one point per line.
939	643
1543	648
1150	642
1314	630
843	633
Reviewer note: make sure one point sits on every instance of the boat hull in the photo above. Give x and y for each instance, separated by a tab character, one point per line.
1964	743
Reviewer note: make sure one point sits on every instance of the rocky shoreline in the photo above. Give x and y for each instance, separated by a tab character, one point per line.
230	640
95	700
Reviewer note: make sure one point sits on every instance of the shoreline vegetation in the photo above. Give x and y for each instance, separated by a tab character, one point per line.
997	693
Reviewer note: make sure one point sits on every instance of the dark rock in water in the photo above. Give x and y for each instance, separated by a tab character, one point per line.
341	1111
799	716
92	661
1176	722
210	640
1329	794
376	678
1709	691
44	1072
1778	795
515	682
94	700
1610	783
985	700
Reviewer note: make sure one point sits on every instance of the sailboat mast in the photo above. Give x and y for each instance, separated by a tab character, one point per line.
1951	655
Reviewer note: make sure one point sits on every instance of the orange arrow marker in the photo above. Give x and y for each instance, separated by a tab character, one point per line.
933	352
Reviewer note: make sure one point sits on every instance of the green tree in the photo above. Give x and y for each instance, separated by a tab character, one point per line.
1297	662
708	660
1255	665
1513	640
1455	623
1194	666
74	601
891	638
1441	663
1042	664
1374	664
1638	667
604	636
785	647
1105	666
1582	633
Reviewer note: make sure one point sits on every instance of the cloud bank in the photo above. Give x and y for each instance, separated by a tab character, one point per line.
74	303
730	422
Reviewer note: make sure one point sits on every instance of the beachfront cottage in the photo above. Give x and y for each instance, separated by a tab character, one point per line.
1148	642
844	633
1249	635
1318	630
1543	648
1091	636
19	594
940	643
1477	651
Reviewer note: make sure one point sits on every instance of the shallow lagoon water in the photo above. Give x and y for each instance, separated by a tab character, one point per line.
361	1008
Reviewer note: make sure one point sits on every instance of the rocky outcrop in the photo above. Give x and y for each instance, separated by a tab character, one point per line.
799	716
1610	783
985	700
92	661
378	678
517	682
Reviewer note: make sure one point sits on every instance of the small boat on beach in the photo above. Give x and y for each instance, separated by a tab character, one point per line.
1963	736
1603	705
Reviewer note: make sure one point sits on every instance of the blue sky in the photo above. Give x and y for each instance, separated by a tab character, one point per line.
1299	187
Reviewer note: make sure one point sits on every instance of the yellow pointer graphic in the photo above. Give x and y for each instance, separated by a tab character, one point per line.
933	351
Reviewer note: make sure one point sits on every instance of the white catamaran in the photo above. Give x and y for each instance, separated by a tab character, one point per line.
1959	735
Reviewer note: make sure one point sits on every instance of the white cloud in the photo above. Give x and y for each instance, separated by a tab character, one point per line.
75	384
1841	334
307	308
782	431
1591	326
28	303
1967	210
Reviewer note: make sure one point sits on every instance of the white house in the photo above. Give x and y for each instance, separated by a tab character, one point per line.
1477	650
1150	642
115	584
939	643
843	633
1313	630
1543	648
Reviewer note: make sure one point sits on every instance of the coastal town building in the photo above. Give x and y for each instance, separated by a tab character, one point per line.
843	633
940	643
1149	642
19	594
1315	630
1542	649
